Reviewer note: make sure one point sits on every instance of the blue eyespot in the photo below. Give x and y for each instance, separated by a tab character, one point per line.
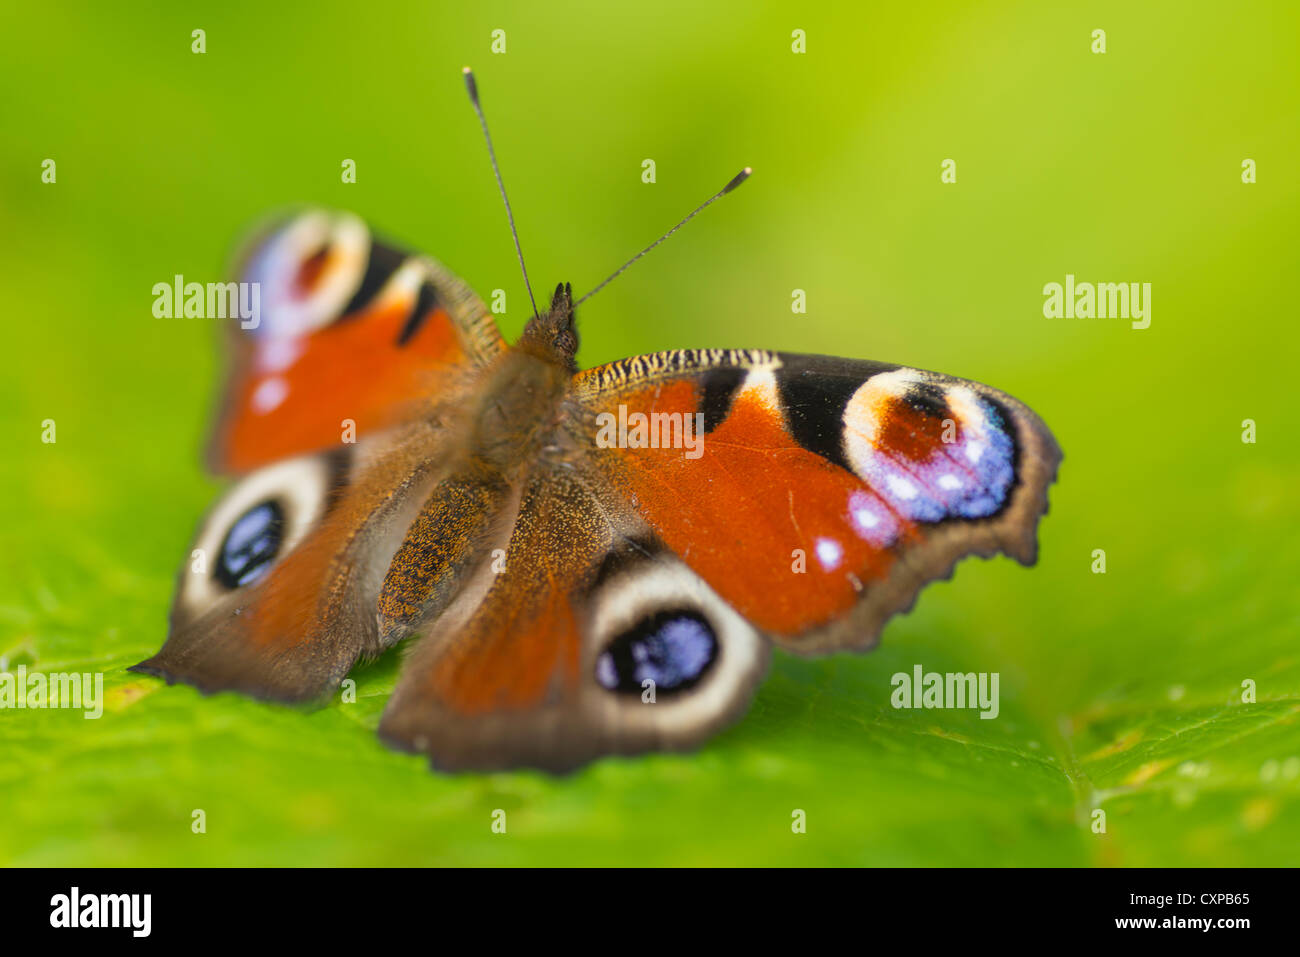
673	649
251	545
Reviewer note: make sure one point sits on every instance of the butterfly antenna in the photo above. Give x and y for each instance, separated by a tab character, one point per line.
472	87
735	181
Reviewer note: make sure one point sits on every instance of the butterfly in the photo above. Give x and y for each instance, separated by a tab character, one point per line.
582	562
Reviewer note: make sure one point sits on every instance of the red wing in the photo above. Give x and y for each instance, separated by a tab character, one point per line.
546	657
349	334
822	493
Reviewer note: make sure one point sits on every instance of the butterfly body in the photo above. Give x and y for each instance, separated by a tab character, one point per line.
581	562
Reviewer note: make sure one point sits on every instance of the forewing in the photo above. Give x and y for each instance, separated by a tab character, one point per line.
352	336
822	493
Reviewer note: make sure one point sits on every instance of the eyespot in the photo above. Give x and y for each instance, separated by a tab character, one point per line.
251	545
673	648
307	271
649	617
259	521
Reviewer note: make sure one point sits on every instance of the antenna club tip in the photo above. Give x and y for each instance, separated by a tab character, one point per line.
738	179
466	70
470	85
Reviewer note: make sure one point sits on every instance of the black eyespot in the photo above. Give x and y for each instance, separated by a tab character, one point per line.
671	648
251	545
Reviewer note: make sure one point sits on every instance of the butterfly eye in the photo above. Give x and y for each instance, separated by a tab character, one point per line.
673	649
251	545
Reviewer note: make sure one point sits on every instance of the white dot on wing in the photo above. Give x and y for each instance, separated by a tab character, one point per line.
901	487
829	553
865	518
269	395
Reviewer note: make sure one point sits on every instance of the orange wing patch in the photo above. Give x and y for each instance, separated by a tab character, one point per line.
351	370
787	537
513	662
350	334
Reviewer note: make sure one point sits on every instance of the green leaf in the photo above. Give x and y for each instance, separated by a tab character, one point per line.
1119	692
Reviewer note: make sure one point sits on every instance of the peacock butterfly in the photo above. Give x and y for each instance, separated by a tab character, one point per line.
587	562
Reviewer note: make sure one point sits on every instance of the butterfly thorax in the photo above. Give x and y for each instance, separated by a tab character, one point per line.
518	408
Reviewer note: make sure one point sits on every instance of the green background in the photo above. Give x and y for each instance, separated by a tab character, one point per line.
1120	691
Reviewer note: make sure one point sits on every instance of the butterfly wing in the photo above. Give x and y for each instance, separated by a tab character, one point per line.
823	492
350	333
278	598
582	637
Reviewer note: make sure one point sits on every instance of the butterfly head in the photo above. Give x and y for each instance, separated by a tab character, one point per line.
553	334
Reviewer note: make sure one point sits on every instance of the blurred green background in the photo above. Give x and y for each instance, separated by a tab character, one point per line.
1120	691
